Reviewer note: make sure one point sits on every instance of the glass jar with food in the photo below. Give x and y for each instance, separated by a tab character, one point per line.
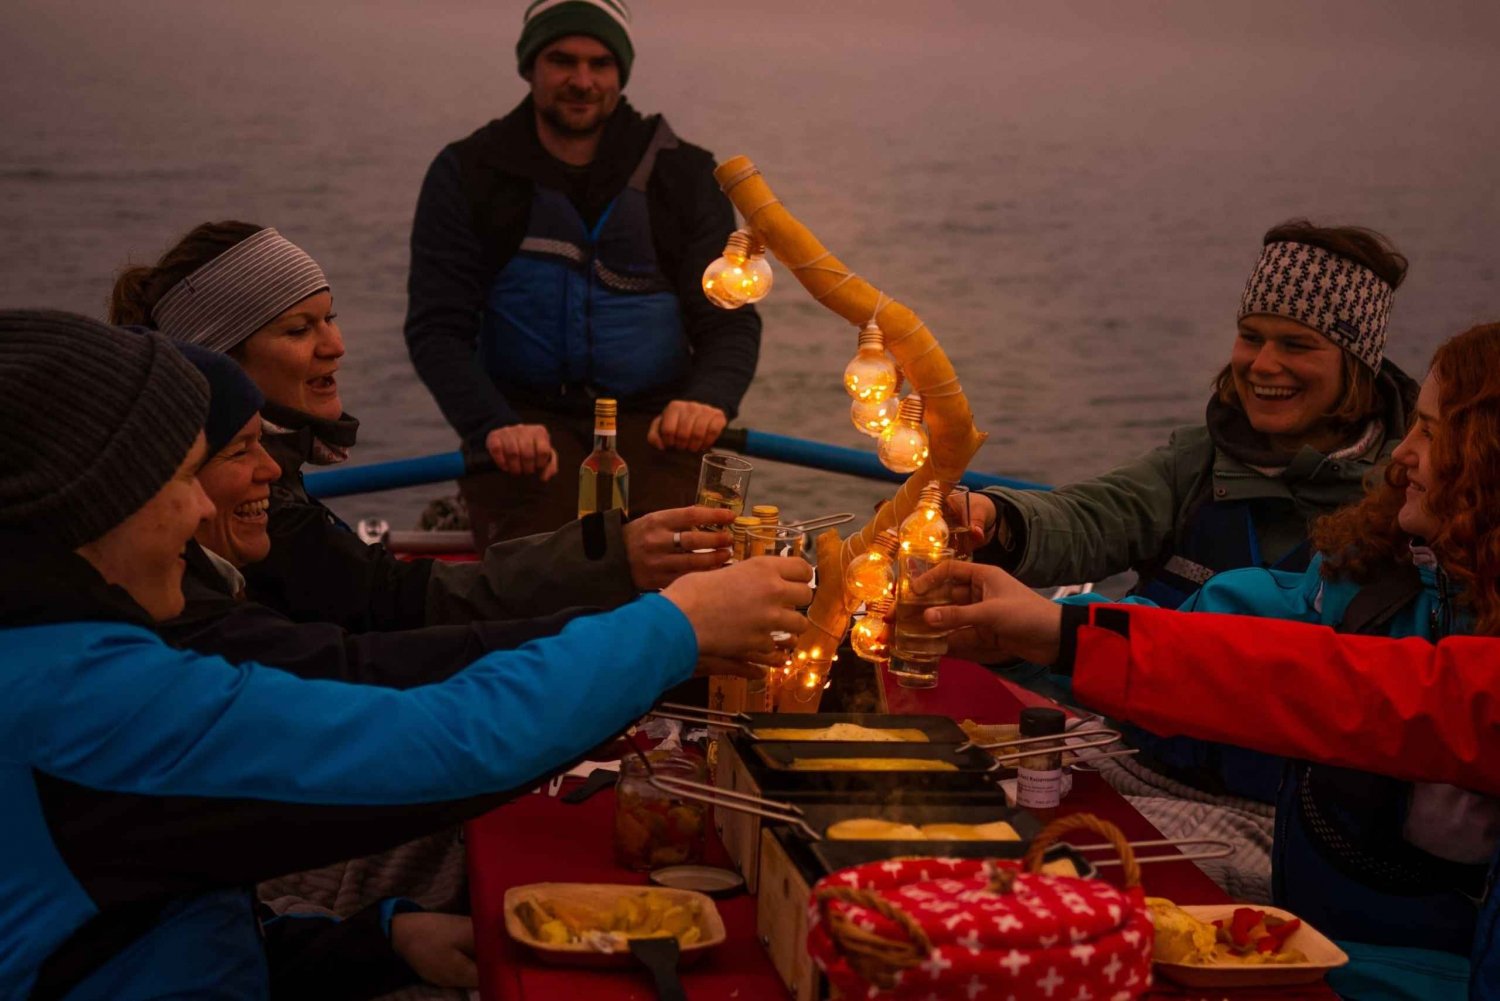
655	828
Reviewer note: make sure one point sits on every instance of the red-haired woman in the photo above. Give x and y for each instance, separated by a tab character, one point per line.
1379	861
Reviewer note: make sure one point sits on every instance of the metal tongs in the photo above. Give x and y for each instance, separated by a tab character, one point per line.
716	719
1061	742
740	802
1218	849
788	813
823	521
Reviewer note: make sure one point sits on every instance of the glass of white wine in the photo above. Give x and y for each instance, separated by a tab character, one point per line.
724	483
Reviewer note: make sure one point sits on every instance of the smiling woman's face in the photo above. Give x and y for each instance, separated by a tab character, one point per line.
1288	377
143	554
1414	453
238	480
294	357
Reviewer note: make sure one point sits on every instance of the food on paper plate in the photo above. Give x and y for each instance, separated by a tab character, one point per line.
872	829
843	731
871	765
1250	936
648	914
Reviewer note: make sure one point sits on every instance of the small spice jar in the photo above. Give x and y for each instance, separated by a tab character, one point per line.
654	828
1039	774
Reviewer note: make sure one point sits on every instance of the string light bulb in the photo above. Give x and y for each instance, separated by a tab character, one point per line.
925	530
741	276
871	635
904	446
871	576
870	375
872	417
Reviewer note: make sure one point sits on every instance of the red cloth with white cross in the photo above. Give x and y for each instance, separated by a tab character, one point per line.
1050	937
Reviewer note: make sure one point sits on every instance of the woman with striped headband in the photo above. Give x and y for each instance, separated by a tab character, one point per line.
248	291
1307	407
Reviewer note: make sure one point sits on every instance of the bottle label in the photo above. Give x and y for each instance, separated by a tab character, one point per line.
605	425
1038	789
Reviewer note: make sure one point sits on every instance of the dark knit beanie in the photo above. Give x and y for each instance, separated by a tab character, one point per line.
233	398
548	20
94	420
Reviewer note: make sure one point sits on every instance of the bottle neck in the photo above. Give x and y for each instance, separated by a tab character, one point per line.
604	441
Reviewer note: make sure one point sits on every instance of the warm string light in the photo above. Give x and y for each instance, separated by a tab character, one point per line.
873	417
870	637
871	376
871	576
903	445
741	276
925	530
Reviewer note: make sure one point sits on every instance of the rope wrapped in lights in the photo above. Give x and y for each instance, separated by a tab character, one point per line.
953	438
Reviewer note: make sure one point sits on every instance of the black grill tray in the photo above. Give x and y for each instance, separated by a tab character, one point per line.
817	859
939	729
769	765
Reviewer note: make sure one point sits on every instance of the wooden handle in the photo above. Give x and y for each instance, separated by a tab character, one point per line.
875	959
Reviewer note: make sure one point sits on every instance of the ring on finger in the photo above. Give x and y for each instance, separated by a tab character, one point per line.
677	542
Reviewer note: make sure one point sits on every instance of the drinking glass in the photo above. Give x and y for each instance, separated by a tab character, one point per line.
724	483
774	540
962	538
917	647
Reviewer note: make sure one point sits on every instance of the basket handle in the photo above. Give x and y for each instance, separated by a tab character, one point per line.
875	959
1084	822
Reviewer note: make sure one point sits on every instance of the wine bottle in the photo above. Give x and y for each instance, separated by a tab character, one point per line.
603	478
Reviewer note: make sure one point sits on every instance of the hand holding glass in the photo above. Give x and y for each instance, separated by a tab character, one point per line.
917	647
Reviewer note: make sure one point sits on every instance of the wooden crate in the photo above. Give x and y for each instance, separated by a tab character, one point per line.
781	920
740	832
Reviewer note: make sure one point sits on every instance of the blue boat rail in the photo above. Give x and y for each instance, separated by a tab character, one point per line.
442	467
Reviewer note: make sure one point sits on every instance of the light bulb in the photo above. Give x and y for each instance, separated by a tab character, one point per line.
871	635
925	530
871	376
903	446
872	417
871	576
741	276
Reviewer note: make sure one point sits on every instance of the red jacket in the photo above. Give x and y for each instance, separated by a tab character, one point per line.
1399	707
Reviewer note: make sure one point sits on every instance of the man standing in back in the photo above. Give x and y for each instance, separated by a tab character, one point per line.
556	256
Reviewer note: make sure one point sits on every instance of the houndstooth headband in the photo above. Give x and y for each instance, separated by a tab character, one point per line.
1344	301
238	292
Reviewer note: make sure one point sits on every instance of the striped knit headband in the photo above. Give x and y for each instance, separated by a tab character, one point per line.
1344	301
238	292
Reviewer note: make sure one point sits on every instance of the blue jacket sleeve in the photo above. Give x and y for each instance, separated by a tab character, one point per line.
125	713
1268	594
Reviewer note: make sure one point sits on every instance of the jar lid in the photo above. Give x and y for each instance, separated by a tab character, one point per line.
1042	721
712	880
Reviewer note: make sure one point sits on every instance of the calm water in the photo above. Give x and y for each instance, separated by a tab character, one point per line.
1070	195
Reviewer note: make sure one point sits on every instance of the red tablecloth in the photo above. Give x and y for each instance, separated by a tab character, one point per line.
538	838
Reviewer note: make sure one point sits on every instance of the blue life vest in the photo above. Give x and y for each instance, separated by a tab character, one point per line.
1219	536
587	310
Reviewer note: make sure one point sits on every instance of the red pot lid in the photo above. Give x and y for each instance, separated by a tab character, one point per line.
1044	934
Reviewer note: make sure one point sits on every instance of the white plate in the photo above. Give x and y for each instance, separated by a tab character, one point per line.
1322	956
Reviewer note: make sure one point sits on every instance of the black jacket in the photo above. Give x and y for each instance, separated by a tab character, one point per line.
472	214
318	571
216	622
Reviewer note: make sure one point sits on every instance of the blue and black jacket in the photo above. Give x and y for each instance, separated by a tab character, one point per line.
605	295
144	786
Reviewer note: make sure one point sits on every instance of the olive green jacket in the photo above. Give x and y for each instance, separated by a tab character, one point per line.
1136	516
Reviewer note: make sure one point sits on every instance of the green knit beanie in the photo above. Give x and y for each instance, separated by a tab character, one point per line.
548	20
